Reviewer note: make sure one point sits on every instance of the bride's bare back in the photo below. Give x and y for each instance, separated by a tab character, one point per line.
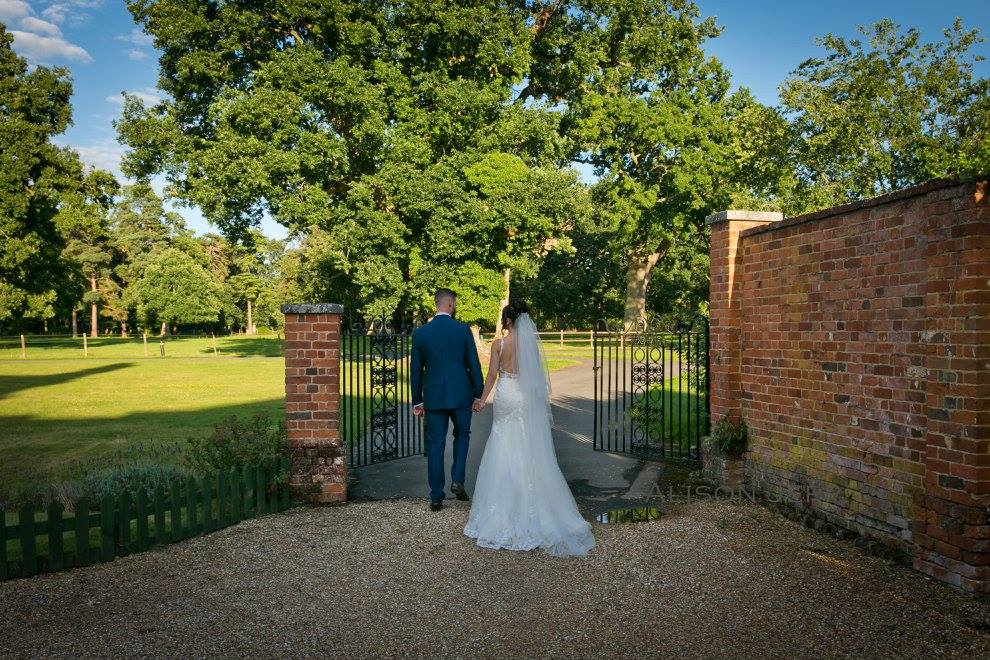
507	354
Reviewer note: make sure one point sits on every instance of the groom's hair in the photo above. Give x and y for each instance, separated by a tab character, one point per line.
444	295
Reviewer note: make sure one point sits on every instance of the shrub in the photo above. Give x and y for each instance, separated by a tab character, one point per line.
115	480
234	443
140	467
730	436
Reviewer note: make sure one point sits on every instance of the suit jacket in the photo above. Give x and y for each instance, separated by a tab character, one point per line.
445	370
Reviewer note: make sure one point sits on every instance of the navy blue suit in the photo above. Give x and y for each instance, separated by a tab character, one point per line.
446	378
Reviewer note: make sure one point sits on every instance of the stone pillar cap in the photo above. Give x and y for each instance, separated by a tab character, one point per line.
313	308
748	216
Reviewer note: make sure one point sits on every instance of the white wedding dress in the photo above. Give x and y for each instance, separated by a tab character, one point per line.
521	500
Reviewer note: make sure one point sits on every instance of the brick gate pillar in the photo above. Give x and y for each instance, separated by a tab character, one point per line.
312	402
726	306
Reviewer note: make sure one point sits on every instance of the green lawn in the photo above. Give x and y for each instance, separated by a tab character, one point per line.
58	409
57	412
58	348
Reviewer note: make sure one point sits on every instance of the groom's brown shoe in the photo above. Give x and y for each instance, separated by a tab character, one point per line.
459	492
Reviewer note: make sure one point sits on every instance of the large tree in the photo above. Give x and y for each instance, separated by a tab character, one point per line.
643	104
38	180
174	289
372	129
885	112
83	223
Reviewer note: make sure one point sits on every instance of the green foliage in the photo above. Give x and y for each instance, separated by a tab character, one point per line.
382	134
479	292
410	145
112	481
43	189
645	105
730	437
886	112
236	442
139	467
576	289
175	289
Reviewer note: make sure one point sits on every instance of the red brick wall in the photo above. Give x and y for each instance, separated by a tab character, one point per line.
312	402
855	343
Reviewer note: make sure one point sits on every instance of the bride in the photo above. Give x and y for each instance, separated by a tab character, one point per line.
521	500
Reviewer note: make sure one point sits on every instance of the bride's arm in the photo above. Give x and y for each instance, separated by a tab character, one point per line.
492	371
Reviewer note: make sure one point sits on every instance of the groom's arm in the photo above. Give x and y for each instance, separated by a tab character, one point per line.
416	373
473	364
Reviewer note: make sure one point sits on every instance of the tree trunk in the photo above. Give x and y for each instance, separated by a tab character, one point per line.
505	301
479	344
164	330
94	331
250	319
75	325
638	275
123	328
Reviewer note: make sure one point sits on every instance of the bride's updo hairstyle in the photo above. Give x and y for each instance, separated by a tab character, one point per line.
512	311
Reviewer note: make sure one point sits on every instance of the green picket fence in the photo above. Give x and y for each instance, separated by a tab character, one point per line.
49	541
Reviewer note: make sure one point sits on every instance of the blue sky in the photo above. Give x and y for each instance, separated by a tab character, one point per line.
99	43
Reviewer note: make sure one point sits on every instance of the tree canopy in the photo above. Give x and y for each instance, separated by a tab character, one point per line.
886	112
385	132
417	144
44	193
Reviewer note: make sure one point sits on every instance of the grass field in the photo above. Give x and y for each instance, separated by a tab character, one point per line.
58	408
59	348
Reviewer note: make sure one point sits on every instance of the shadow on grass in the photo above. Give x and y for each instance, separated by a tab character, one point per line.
33	449
247	347
11	384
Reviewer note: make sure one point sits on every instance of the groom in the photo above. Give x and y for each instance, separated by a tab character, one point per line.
446	383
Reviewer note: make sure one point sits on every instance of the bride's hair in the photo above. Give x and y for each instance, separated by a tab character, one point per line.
512	311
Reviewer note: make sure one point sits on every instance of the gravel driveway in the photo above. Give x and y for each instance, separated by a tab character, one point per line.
389	578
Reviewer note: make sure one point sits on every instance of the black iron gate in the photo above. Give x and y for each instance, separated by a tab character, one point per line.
376	420
651	390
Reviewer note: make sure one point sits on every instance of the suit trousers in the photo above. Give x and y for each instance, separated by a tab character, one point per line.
436	444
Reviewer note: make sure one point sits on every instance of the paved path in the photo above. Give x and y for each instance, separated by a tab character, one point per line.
598	480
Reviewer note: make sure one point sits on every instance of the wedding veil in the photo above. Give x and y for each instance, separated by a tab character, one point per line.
534	377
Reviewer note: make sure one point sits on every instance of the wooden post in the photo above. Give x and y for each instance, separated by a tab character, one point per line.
85	346
145	343
214	338
23	349
561	338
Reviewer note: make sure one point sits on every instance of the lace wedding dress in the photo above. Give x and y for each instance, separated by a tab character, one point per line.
521	500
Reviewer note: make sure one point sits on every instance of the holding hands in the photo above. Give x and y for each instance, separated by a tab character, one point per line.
478	405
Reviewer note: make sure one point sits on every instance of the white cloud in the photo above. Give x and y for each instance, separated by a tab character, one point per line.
104	155
39	41
38	26
14	10
149	95
139	40
56	13
74	10
136	37
43	49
